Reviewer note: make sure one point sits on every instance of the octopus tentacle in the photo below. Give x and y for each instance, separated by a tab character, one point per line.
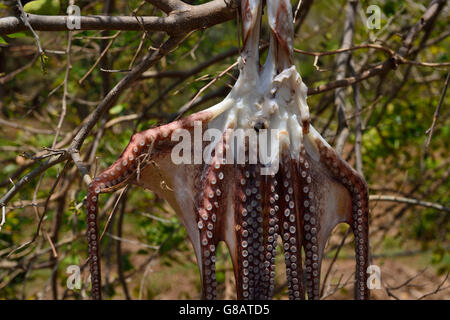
270	235
134	158
242	236
310	226
207	217
360	226
249	230
291	234
361	234
209	211
93	242
255	223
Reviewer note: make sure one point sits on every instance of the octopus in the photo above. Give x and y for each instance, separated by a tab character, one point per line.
250	171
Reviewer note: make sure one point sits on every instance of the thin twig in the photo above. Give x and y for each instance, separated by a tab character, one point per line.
438	288
426	204
430	131
220	75
66	90
24	17
334	260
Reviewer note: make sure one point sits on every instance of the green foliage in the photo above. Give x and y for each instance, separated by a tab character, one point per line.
17	35
42	7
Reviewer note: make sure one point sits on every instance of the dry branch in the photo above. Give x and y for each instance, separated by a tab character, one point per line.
178	22
426	204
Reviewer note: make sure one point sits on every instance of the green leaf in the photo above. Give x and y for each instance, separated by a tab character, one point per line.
117	109
43	7
17	35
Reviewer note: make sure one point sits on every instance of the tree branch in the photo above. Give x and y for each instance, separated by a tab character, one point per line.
426	204
342	61
179	22
121	86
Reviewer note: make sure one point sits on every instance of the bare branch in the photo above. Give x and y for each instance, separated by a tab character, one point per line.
342	61
436	113
121	86
426	204
180	22
438	288
90	122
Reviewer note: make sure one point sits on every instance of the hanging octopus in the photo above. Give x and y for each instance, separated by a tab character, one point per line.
295	187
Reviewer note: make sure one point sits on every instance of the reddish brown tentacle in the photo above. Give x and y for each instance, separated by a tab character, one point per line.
242	234
289	216
111	179
208	213
135	156
93	239
310	217
206	222
270	235
256	214
360	226
249	233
